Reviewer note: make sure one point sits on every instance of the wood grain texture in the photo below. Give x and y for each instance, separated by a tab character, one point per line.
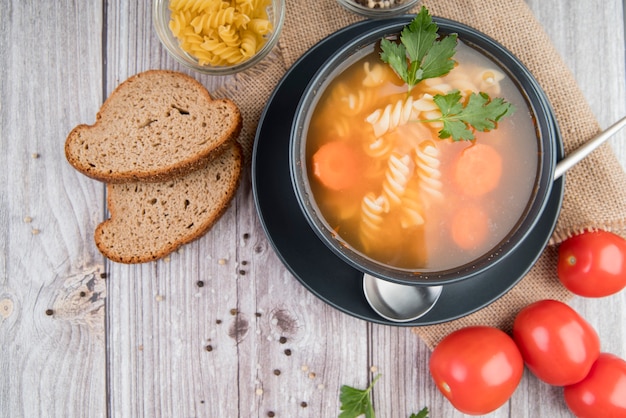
52	360
220	328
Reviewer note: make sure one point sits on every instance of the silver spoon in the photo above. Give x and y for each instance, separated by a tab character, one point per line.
399	302
403	303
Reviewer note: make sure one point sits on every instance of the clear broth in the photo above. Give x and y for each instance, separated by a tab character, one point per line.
411	219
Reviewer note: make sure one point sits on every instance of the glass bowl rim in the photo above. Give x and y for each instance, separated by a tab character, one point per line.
160	18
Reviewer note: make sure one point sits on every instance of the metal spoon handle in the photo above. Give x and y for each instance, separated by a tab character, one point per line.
581	152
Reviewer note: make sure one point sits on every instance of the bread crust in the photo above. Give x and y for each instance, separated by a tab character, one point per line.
134	137
131	235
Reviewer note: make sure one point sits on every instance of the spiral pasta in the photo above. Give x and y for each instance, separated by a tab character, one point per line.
412	214
399	171
375	75
219	33
379	148
372	217
389	118
427	168
489	79
220	53
349	102
436	85
195	6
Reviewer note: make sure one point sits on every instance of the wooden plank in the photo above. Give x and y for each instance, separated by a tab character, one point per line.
177	349
51	292
590	37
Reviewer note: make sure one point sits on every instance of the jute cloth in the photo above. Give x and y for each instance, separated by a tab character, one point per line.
512	23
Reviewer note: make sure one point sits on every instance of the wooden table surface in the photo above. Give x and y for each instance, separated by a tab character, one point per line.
82	337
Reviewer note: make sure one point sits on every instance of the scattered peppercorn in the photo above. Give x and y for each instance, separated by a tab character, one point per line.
282	340
304	404
287	352
200	283
378	4
49	312
209	348
246	236
82	294
271	414
218	321
233	312
276	372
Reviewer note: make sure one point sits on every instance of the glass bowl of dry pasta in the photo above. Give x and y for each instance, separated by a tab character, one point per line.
424	163
218	37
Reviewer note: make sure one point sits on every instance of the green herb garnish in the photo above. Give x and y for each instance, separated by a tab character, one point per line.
428	56
357	402
420	55
480	113
421	414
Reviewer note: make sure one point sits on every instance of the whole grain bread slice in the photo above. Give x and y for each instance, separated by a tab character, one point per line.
150	220
155	126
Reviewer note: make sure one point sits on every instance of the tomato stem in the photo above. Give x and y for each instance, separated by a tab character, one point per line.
571	260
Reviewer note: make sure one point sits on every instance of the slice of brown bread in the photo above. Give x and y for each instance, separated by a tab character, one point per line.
150	220
155	126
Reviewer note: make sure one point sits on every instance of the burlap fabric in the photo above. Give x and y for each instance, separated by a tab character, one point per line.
512	24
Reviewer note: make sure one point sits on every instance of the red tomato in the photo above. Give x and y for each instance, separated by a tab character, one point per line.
477	368
593	264
602	393
557	344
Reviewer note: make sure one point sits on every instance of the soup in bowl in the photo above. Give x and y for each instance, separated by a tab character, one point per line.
392	179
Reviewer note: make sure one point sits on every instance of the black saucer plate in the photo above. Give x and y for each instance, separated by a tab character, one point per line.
307	257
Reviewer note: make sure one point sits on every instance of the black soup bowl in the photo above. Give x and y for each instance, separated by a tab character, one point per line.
544	141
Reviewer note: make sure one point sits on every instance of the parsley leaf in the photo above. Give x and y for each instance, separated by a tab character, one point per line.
421	414
479	113
356	402
395	55
420	55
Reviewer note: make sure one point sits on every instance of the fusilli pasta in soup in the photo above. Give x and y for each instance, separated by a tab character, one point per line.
402	196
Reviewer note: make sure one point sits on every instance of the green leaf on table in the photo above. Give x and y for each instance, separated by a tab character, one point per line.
356	402
421	414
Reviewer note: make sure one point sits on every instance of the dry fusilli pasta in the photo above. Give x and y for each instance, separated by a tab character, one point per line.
218	33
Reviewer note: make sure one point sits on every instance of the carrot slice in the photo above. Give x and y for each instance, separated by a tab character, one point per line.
470	227
478	170
336	165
